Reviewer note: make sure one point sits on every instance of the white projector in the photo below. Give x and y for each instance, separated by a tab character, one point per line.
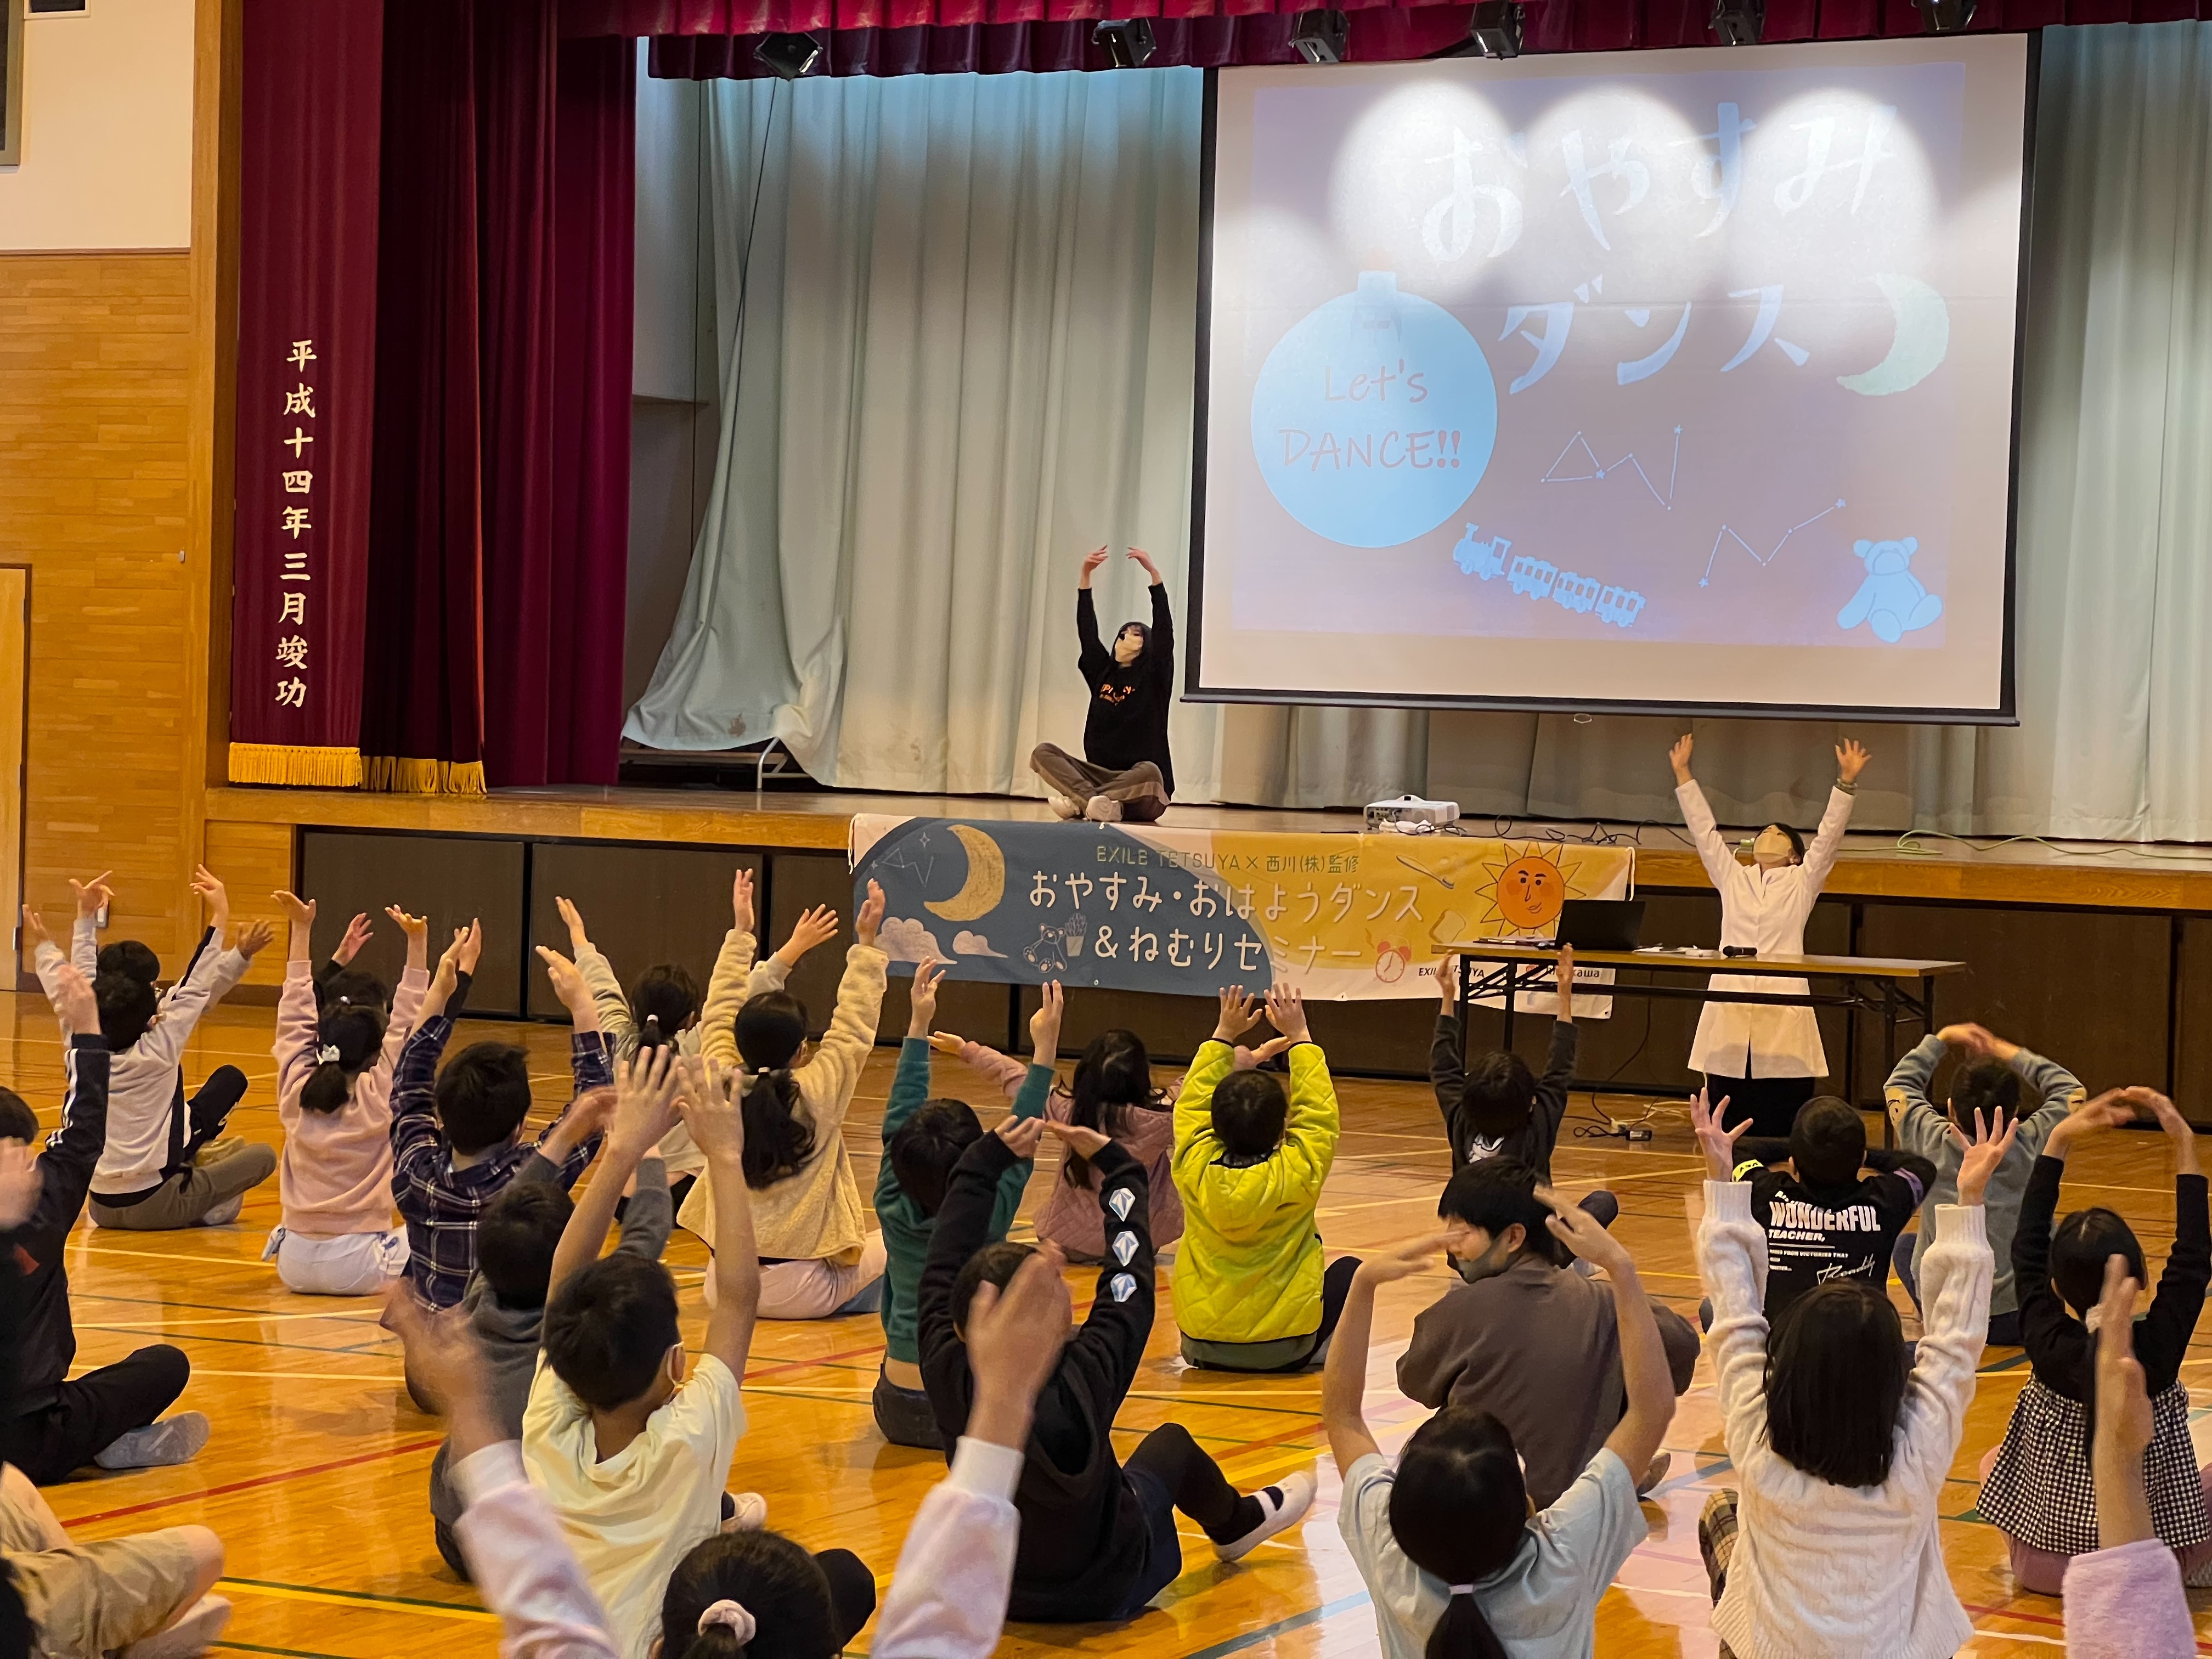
1410	810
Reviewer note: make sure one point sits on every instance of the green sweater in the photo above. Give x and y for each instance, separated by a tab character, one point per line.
906	1229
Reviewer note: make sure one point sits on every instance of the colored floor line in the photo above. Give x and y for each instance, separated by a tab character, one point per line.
277	1590
255	1647
281	1476
1254	1638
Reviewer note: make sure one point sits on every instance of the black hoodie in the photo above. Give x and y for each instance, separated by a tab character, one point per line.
1129	702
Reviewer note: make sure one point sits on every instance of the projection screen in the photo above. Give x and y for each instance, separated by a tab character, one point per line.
1665	380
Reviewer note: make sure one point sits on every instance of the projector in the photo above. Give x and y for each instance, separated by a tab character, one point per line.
1410	810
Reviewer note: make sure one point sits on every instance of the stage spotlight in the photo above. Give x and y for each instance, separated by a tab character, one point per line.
787	56
1945	16
1739	22
1496	31
1321	36
1127	40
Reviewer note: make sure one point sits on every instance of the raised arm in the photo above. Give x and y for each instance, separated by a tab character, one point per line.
599	976
91	897
1828	840
1029	1102
1344	1379
72	1151
1122	1305
1195	1144
1310	1135
645	1095
1161	647
1732	1260
726	989
2162	1339
1092	658
1636	1439
711	1112
1713	853
212	978
297	1016
1955	1276
910	1082
1000	1071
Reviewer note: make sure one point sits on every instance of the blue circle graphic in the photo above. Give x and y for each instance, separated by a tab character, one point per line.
1374	416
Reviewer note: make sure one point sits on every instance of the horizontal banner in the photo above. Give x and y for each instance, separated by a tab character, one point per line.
1342	917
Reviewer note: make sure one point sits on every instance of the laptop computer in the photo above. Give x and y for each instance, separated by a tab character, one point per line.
1602	924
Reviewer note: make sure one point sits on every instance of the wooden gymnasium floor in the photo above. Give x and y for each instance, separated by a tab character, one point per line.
315	1475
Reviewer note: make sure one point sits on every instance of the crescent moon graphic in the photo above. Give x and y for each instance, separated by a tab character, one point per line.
1922	336
987	879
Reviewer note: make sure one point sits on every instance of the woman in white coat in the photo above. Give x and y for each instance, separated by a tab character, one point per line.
1762	1057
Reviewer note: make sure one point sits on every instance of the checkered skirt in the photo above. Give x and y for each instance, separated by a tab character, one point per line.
2040	1490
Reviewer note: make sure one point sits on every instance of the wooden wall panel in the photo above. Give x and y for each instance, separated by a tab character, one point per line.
254	861
448	880
95	355
642	904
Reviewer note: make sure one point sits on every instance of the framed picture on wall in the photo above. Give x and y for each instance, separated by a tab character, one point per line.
11	82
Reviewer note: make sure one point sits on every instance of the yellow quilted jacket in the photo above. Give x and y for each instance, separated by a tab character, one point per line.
1249	1266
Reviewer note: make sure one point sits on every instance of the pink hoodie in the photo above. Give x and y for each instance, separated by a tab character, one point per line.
336	1176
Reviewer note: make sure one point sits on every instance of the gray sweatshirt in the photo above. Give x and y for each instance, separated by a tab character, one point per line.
509	1336
1924	1126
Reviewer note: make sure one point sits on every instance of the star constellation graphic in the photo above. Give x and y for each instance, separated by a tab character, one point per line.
1598	470
1762	561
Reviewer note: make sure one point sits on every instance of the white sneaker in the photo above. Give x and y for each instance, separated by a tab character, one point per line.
1064	809
750	1513
225	1213
1102	810
192	1634
1281	1507
172	1440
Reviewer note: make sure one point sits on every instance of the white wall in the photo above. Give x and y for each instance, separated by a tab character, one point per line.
107	131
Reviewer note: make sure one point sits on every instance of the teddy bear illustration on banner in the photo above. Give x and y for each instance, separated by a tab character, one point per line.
1892	600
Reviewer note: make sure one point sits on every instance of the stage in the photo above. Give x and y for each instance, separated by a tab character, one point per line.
2100	956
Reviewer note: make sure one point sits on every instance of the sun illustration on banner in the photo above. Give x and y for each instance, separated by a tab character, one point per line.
1526	891
985	886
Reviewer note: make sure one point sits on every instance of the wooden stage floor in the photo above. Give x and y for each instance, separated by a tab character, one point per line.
1879	865
316	1474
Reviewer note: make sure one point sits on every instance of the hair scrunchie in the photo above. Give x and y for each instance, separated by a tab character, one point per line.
732	1616
328	1054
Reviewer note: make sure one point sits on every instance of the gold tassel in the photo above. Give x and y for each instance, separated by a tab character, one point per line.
402	774
296	765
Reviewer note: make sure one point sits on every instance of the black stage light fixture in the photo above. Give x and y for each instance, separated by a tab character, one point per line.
1321	37
1496	31
1945	16
1740	22
1127	40
787	56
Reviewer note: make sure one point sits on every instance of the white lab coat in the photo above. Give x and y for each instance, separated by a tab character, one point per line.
1766	909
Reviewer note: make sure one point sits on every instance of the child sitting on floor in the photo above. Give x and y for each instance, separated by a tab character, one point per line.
505	1303
2036	1485
1456	1556
663	1006
1991	1081
107	1416
1250	1294
1112	1092
631	1452
818	1259
923	1141
334	1102
456	1134
158	1170
1097	1538
1823	1219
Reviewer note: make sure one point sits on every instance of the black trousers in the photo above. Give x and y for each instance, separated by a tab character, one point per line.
1193	1480
1773	1102
852	1593
209	1110
93	1412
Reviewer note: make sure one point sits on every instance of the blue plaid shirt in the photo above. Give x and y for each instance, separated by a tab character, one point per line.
442	1205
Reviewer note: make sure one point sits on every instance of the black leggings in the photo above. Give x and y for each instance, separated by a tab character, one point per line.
852	1593
1194	1481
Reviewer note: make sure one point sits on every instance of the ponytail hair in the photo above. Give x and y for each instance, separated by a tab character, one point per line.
348	1037
754	1594
1113	1079
779	1135
665	1001
1459	1508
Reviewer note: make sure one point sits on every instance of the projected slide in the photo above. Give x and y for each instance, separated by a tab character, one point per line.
1677	378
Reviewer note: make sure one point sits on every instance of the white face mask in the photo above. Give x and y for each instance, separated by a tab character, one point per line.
1772	850
1127	647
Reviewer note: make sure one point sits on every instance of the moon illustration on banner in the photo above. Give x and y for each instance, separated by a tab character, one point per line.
1922	336
987	879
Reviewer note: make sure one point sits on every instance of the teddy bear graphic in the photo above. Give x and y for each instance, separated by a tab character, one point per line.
1892	600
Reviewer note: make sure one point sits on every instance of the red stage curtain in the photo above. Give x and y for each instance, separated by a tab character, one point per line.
422	720
700	39
307	344
594	262
499	530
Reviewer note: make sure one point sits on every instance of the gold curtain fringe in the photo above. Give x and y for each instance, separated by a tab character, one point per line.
297	765
401	774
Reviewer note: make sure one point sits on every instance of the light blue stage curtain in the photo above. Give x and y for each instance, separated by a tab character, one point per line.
972	320
972	303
